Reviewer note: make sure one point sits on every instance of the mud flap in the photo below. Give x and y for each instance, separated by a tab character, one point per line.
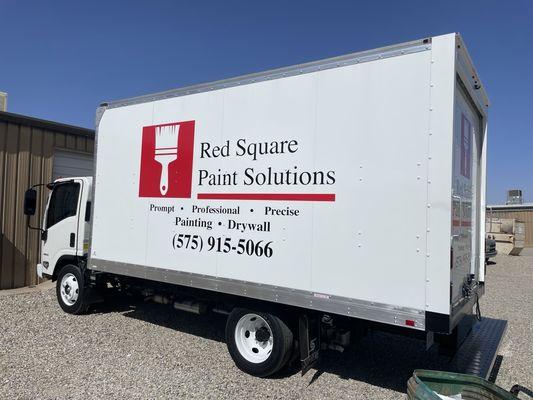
309	339
92	296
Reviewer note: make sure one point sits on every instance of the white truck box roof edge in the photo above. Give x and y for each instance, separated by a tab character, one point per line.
298	69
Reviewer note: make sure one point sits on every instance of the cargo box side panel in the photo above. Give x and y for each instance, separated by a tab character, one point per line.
256	116
307	190
200	118
372	120
134	222
254	240
119	222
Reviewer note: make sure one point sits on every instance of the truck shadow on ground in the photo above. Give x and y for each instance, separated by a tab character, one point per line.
380	359
209	326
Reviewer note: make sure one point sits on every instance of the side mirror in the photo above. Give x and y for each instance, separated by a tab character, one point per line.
30	201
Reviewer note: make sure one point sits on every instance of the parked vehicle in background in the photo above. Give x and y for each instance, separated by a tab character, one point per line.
265	197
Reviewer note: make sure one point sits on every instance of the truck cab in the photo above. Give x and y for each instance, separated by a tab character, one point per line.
65	229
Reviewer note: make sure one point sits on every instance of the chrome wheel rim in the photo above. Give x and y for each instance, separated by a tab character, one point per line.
69	289
253	337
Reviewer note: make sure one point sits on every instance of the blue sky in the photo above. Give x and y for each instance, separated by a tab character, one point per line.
60	59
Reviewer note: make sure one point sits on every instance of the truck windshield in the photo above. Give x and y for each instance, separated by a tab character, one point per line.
63	203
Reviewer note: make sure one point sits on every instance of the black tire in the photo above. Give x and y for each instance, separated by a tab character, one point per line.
79	305
281	348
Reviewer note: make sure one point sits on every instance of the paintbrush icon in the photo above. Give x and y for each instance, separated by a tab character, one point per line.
166	151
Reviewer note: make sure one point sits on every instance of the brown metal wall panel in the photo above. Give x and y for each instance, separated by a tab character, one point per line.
34	236
81	143
60	140
3	139
26	159
525	216
8	223
23	173
48	157
71	142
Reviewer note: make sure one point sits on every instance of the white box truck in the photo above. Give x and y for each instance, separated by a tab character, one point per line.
303	201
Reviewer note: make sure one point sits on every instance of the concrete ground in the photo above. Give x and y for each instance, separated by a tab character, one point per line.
140	351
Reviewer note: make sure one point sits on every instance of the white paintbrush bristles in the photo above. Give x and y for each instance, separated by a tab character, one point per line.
166	138
166	151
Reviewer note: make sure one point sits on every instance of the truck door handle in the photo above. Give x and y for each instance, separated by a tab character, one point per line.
72	240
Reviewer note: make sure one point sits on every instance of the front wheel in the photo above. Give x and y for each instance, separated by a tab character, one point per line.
259	343
70	290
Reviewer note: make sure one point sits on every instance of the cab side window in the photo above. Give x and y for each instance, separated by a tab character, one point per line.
63	204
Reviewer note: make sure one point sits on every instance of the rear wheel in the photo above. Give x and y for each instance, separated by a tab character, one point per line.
259	343
70	290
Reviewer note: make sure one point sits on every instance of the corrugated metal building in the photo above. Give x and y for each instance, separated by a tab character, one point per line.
521	212
33	151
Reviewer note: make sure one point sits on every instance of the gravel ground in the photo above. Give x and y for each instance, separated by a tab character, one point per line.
147	351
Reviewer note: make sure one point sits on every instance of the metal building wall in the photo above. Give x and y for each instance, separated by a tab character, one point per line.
26	158
525	216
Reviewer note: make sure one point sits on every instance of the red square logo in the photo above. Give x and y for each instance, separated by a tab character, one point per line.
166	160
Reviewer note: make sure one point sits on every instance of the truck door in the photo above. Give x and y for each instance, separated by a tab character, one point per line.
465	192
61	221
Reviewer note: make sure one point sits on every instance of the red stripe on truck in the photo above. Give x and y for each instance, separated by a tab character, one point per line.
268	196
